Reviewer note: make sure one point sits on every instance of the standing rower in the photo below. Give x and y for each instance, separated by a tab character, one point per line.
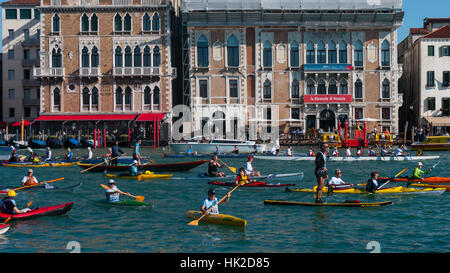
321	171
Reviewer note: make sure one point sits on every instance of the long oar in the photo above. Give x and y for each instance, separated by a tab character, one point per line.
50	181
195	222
230	168
389	180
138	198
103	162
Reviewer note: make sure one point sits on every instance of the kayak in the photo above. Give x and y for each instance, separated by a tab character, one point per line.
44	211
220	156
4	228
30	165
283	176
217	219
143	176
124	203
446	187
345	204
3	193
392	190
433	179
253	184
349	159
43	187
154	167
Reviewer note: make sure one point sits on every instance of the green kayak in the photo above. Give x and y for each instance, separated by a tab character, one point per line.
125	203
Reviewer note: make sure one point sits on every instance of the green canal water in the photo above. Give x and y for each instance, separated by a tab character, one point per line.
412	224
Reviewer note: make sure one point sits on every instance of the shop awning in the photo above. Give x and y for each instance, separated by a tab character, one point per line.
19	123
438	121
107	117
150	116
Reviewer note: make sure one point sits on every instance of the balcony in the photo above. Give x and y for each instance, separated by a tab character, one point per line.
327	67
31	82
89	71
136	71
31	102
30	62
48	72
31	42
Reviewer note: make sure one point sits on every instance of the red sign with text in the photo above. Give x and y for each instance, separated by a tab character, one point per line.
328	98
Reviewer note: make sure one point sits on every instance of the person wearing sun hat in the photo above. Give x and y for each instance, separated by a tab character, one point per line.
211	201
112	195
29	179
8	204
134	168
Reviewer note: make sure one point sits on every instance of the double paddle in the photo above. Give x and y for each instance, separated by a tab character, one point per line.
103	162
138	198
45	182
390	179
230	168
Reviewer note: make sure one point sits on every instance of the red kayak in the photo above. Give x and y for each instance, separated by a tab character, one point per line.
253	184
44	211
3	228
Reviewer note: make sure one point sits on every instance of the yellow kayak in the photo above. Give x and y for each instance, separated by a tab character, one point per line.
217	219
65	164
145	176
393	190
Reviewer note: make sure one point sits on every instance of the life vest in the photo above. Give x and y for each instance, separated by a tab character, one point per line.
30	181
242	179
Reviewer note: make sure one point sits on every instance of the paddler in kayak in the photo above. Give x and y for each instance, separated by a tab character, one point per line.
29	179
337	182
372	184
9	206
210	201
134	169
243	178
321	171
212	167
418	172
249	170
112	195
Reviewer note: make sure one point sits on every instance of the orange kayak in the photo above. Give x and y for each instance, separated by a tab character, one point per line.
426	180
446	187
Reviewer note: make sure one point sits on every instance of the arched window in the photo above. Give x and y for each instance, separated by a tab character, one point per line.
202	52
385	54
119	96
147	95
128	95
155	22
156	56
386	89
342	52
147	57
85	57
267	91
56	99
94	23
321	87
86	98
95	59
118	57
56	23
267	54
295	53
358	53
94	100
295	92
310	53
84	23
137	57
332	87
56	57
146	23
321	53
358	89
127	22
156	95
332	53
117	22
128	57
233	51
344	87
310	87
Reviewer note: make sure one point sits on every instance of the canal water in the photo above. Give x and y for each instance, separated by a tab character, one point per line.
413	224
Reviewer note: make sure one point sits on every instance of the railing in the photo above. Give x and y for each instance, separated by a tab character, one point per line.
136	71
88	3
122	2
55	2
150	2
31	42
48	71
89	71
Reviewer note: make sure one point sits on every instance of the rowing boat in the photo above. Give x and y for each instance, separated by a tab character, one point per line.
349	159
124	203
154	167
446	187
282	176
425	180
392	190
217	219
251	185
144	176
345	204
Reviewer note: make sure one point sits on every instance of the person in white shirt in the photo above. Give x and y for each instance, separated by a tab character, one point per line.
359	151
89	153
249	170
289	151
337	182
348	152
48	156
335	151
399	152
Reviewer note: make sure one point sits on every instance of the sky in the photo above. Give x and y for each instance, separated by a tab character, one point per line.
415	12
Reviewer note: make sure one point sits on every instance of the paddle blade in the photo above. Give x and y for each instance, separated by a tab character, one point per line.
232	169
139	177
29	204
193	223
140	198
7	219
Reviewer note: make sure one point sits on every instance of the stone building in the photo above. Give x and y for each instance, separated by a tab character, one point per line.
291	64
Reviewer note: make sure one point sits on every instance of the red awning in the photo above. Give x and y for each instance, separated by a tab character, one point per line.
84	117
150	116
19	123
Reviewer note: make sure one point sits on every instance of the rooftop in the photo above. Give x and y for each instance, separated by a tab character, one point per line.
443	32
22	2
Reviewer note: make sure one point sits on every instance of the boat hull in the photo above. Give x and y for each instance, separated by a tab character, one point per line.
169	167
348	204
206	148
217	219
393	190
349	159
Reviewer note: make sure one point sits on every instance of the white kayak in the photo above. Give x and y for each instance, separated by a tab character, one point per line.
352	158
281	176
